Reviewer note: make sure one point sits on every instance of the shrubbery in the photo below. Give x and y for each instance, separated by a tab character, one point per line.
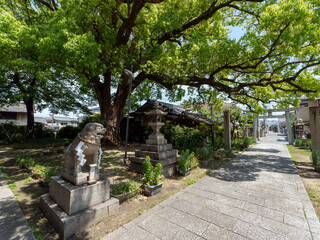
17	133
89	119
68	132
241	143
187	159
151	175
183	137
315	157
125	187
24	161
298	143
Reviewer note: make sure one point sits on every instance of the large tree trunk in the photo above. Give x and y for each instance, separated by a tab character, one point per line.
112	113
30	117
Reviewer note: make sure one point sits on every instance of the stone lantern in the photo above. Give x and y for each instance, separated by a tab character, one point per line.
300	130
157	121
156	146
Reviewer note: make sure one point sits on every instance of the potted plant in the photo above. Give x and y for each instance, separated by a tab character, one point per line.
151	178
205	153
315	160
125	190
186	163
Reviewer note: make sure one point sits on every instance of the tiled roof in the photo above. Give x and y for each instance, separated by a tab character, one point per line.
178	111
20	107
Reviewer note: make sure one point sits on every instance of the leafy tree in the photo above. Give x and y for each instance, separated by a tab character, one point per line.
26	74
172	43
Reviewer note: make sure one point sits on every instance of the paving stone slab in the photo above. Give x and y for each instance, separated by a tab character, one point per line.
257	195
13	224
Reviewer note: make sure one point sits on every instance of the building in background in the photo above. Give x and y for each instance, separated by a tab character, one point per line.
16	113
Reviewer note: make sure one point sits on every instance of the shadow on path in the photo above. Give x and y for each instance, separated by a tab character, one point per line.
249	167
263	150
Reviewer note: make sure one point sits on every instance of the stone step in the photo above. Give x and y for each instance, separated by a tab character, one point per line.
160	141
156	148
154	161
157	155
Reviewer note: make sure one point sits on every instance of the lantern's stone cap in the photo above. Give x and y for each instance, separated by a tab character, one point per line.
300	122
156	111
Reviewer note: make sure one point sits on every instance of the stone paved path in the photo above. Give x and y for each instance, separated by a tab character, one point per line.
258	195
13	225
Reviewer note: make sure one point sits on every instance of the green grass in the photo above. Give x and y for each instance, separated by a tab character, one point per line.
303	151
12	186
28	179
38	232
314	195
191	181
6	177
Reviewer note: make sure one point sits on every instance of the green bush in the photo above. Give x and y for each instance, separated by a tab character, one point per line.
205	153
151	175
218	143
68	132
41	132
298	143
309	144
15	132
183	137
24	161
94	118
44	173
241	143
228	153
315	157
125	187
187	160
246	142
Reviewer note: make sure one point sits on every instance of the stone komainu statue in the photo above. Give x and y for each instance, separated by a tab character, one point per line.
82	157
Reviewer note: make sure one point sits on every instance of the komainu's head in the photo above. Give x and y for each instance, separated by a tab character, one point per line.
93	132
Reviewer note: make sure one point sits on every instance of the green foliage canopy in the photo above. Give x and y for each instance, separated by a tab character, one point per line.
173	43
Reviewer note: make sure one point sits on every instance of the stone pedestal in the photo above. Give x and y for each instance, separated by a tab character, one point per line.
255	136
158	153
156	147
289	129
71	209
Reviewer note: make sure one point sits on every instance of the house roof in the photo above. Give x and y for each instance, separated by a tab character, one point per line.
229	105
19	107
178	111
40	120
62	119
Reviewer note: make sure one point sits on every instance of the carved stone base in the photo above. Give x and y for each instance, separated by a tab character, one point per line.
68	225
79	180
73	199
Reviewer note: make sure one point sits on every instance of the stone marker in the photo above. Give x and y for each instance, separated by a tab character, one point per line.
79	198
156	147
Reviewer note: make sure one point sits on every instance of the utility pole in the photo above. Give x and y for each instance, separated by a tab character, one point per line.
130	76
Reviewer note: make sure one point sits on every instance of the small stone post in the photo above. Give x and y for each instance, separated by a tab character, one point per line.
246	131
315	127
227	130
289	128
255	129
258	129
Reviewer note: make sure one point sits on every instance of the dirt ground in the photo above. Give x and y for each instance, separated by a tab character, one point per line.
310	178
28	190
